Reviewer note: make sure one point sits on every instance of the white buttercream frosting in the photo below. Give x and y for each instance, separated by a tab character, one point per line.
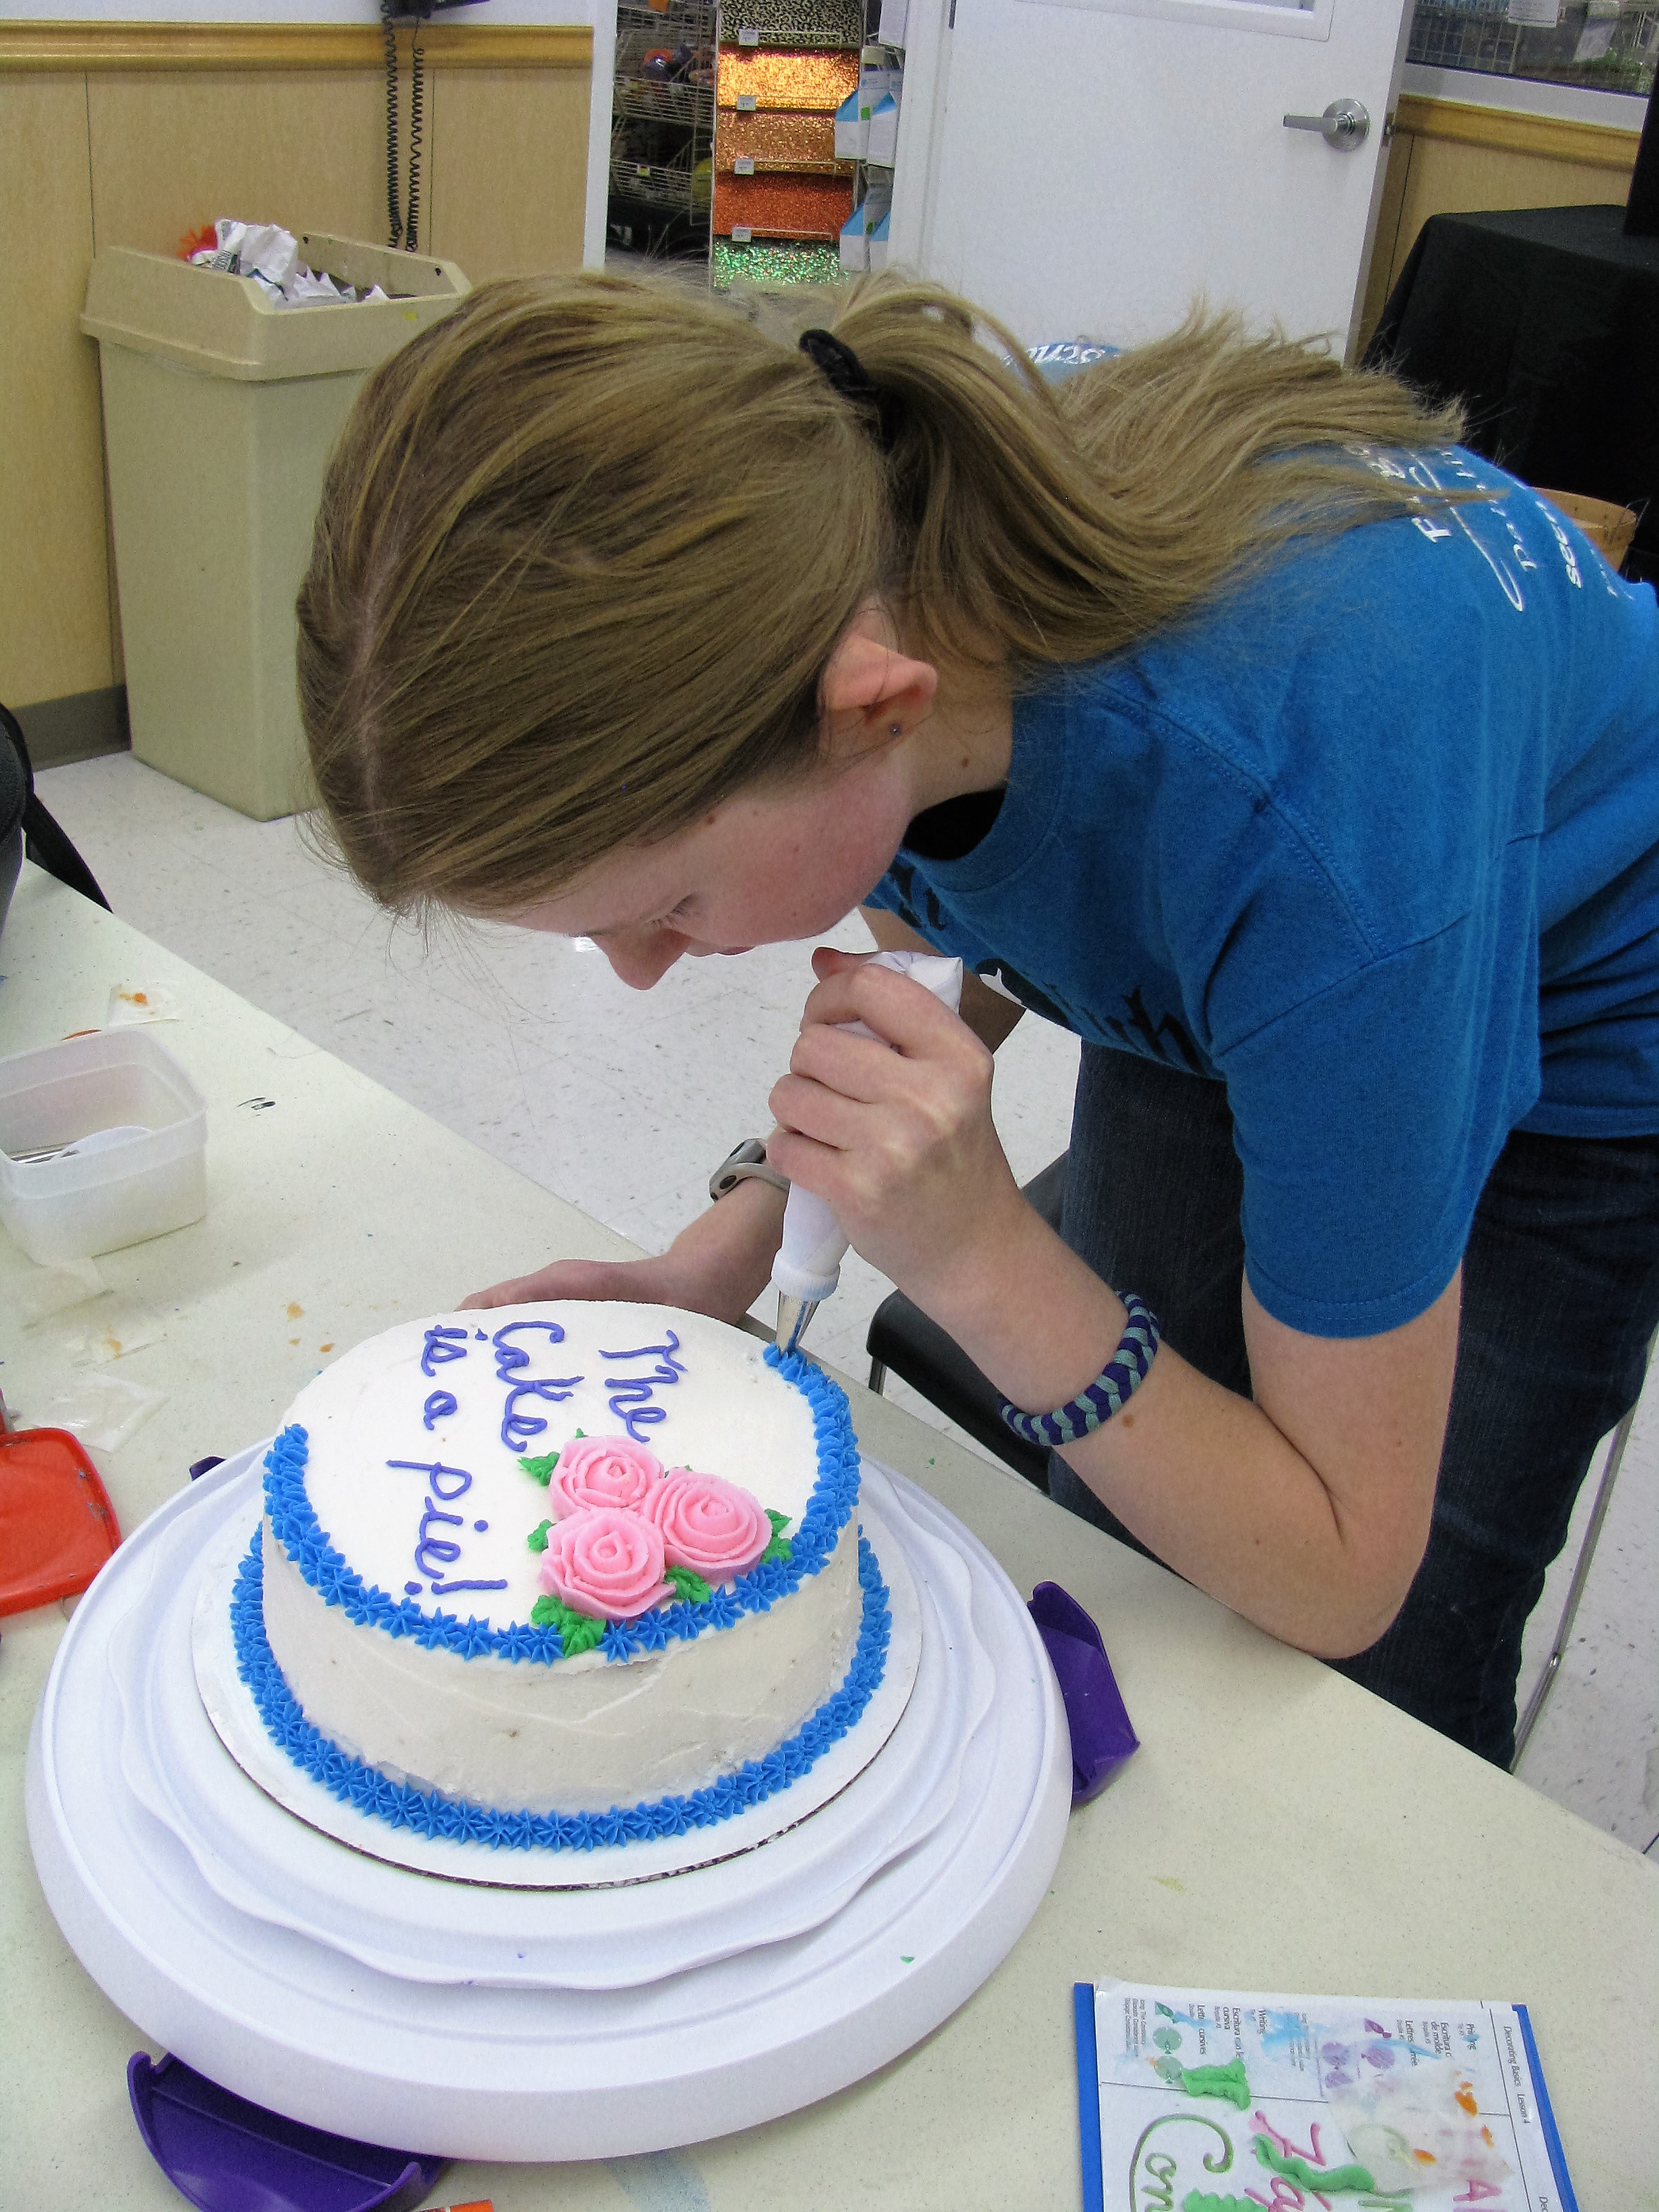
426	1500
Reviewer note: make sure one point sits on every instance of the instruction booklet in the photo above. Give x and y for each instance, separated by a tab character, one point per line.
1212	2101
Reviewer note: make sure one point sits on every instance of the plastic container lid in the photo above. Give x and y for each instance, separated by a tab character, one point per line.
56	1526
226	2154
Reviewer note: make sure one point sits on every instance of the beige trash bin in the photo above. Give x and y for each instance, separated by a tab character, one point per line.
219	410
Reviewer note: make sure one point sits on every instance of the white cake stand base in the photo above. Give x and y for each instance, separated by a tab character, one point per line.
474	2019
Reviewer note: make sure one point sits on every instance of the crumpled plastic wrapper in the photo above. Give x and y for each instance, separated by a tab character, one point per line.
1414	2124
103	1410
50	1291
270	255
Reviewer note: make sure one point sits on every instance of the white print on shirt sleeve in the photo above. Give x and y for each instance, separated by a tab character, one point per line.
1569	557
1442	520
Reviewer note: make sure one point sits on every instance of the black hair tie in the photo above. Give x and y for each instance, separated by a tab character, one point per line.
842	368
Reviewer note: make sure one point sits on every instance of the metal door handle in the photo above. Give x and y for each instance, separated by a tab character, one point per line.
1345	125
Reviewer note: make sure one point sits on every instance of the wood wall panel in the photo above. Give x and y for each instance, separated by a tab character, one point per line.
172	150
112	155
54	602
1379	270
510	169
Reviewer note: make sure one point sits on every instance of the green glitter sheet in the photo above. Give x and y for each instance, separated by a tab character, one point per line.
772	265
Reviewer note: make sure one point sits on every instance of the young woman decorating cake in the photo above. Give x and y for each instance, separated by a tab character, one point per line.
1212	703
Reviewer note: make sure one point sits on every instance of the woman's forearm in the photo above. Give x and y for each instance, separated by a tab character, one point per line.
1202	1476
729	1248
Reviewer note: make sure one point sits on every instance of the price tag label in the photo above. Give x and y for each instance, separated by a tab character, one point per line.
749	36
744	166
640	169
742	233
745	103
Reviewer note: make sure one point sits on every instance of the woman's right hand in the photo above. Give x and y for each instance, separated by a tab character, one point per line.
719	1265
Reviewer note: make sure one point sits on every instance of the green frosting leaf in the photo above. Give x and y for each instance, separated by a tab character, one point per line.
691	1585
537	1538
1332	2179
778	1548
541	1470
578	1631
1196	2201
1226	2082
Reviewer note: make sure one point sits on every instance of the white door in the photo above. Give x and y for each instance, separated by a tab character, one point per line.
1089	169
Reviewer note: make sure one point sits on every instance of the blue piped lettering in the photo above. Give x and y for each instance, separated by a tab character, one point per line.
438	1407
631	1393
442	1345
449	1482
518	1429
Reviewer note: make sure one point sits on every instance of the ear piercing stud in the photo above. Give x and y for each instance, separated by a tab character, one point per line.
895	729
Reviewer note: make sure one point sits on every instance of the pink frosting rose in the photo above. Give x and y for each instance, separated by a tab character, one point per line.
602	1471
713	1527
606	1562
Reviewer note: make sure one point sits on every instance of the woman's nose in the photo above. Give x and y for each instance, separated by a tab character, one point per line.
644	957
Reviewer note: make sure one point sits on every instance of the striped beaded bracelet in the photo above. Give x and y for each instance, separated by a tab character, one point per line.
1120	1379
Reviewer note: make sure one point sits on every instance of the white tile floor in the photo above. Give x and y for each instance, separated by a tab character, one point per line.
623	1105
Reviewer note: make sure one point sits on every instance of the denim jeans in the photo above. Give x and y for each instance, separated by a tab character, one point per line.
1560	1297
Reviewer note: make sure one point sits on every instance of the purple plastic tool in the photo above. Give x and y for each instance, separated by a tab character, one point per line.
225	2155
1102	1734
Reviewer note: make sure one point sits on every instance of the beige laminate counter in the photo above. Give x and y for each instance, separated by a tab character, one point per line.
1279	1829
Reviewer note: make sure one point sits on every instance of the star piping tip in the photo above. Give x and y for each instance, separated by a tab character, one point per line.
793	1315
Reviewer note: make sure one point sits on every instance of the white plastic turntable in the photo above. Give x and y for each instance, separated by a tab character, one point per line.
540	2010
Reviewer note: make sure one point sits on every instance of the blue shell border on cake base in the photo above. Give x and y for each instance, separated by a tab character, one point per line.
430	1813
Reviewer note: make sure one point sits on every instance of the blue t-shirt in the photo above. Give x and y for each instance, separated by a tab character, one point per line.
1375	842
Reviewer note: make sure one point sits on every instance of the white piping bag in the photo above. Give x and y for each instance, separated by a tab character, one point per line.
808	1265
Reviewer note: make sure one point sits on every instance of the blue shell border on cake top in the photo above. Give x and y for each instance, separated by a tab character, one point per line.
430	1813
835	1493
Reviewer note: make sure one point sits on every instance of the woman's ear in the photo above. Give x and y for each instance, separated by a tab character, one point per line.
871	690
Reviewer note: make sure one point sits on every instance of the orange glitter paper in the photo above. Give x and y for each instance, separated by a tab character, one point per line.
779	79
783	206
776	140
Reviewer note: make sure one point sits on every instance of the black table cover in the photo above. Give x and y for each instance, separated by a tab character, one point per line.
1545	322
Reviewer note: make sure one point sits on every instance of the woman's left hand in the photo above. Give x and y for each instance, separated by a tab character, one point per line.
894	1130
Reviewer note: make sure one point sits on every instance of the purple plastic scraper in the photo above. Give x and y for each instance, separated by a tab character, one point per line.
225	2155
1102	1736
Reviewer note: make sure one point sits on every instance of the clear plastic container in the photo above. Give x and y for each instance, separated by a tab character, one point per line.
146	1176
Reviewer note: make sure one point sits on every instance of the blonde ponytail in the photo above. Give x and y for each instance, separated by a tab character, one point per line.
585	547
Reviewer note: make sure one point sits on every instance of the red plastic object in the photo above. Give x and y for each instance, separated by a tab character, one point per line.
56	1525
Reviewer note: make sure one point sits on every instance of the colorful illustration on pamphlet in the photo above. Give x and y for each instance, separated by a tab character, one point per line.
1221	2102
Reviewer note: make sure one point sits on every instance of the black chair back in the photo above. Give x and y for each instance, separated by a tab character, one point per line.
28	831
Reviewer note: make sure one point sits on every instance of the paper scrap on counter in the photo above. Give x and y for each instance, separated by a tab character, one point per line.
109	1328
140	1002
1212	2101
104	1410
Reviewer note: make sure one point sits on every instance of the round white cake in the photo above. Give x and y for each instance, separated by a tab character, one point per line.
561	1575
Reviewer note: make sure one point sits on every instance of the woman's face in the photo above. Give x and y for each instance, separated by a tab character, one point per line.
756	871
